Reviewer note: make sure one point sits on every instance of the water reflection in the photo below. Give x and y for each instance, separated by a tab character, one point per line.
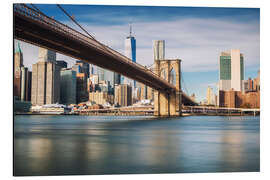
56	145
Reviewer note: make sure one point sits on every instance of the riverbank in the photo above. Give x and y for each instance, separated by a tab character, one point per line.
137	114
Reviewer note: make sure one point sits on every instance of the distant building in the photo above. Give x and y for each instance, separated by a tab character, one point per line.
94	79
22	77
45	55
105	75
130	52
123	95
252	84
18	63
68	86
159	49
117	78
84	67
238	99
61	64
231	70
26	81
101	98
210	96
193	97
45	79
81	88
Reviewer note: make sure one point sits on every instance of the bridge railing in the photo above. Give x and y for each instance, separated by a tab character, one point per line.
42	18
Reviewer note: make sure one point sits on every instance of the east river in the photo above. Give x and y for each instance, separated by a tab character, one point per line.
74	145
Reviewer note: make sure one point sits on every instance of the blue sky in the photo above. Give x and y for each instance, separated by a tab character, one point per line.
194	34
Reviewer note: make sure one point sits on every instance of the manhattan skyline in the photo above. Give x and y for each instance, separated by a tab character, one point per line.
195	35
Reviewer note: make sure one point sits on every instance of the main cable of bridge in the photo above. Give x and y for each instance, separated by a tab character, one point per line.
91	36
109	50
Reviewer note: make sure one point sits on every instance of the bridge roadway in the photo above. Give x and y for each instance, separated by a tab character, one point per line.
38	29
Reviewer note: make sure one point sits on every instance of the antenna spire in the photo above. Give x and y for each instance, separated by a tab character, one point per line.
130	29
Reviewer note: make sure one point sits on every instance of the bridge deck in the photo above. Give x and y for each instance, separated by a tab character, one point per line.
36	28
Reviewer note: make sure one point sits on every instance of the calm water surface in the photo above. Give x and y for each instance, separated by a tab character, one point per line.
62	145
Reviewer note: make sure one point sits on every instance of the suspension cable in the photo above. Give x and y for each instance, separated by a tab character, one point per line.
184	85
92	37
37	9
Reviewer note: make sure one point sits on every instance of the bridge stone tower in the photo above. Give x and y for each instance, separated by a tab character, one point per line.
168	103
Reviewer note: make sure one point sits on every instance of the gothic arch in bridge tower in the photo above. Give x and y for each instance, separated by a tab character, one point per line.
172	77
168	103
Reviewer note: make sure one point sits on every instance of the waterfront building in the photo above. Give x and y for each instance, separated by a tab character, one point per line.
231	70
45	79
18	63
159	49
238	99
101	97
55	109
68	86
20	105
81	88
123	95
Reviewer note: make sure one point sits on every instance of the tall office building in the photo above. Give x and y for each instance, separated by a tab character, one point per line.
91	69
22	77
210	96
84	66
117	78
130	52
81	88
159	49
67	86
123	95
106	75
45	79
18	63
26	79
231	70
45	55
101	74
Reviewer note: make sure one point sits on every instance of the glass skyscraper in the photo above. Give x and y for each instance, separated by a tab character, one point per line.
231	70
130	52
159	49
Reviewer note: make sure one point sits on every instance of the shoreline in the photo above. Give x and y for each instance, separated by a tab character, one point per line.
133	114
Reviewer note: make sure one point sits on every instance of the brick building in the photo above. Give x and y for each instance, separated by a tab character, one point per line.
238	99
